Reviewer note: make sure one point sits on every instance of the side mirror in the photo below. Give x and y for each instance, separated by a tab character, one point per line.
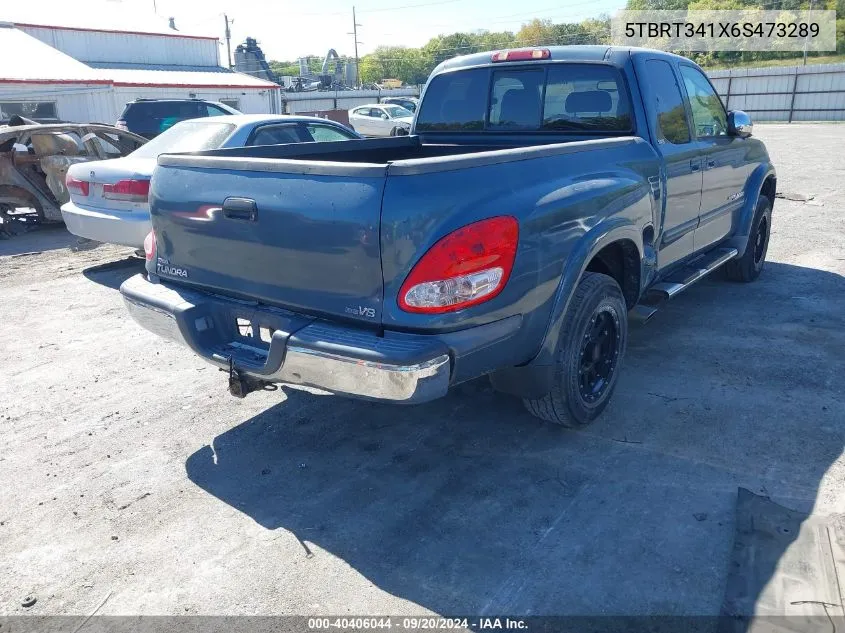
739	124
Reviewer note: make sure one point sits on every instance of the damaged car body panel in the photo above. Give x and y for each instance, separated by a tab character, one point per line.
34	160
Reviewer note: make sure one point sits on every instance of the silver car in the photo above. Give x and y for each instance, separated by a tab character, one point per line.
381	120
109	199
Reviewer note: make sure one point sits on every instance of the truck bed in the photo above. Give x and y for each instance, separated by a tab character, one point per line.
385	151
331	230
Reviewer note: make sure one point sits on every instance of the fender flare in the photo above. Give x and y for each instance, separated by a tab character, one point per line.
534	379
753	187
601	235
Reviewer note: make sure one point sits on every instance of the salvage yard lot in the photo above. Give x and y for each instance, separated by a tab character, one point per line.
130	474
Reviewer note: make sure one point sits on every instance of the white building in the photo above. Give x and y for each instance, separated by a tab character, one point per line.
88	75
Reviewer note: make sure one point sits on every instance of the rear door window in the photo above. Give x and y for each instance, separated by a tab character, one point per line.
671	125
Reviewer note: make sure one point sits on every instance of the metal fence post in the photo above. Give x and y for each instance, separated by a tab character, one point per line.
728	96
794	90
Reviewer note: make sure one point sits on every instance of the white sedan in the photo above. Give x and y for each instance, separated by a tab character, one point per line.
108	199
381	120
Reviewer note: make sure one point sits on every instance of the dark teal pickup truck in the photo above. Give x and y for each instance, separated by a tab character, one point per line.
545	197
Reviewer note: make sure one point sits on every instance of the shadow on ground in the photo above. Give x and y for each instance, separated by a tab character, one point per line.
112	274
37	240
469	505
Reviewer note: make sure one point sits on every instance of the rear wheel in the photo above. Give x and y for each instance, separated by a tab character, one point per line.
590	350
750	265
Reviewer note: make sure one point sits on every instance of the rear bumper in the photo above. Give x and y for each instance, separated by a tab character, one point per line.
128	228
290	348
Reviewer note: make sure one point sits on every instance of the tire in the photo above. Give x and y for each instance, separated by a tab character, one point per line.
596	319
393	132
748	267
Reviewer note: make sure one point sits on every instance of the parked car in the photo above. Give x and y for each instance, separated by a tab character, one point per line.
34	159
381	120
546	195
151	117
409	103
109	200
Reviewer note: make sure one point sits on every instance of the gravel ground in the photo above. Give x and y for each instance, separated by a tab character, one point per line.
128	473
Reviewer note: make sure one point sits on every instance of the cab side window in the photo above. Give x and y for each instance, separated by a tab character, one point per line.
708	114
672	125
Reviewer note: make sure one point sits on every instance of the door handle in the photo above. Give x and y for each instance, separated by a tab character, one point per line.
711	163
695	164
240	209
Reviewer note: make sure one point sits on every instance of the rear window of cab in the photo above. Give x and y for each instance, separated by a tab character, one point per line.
562	97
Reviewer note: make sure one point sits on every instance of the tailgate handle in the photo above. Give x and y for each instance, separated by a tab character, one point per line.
240	209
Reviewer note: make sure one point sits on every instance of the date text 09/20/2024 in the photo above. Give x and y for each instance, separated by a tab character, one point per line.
416	623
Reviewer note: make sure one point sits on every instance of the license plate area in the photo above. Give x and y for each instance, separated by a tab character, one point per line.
250	337
251	331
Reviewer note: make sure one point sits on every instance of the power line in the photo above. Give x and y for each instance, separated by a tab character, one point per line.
501	19
566	38
411	6
562	19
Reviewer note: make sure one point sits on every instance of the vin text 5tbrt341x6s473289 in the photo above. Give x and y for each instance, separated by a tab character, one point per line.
543	198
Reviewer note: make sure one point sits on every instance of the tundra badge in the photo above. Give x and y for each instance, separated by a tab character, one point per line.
164	267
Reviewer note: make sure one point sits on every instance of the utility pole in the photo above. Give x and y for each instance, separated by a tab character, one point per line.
805	39
228	42
354	34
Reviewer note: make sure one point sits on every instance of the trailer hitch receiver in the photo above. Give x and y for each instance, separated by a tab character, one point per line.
240	385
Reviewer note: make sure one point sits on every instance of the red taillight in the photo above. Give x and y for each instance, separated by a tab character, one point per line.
128	190
521	55
150	246
468	266
74	185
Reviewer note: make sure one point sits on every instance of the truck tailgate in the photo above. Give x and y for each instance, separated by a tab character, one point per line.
294	235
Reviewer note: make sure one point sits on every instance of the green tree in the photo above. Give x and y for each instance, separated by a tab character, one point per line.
536	33
413	65
290	69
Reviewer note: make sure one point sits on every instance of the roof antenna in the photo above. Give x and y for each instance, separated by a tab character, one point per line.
172	23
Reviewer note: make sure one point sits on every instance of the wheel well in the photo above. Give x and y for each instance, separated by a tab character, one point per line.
769	188
620	260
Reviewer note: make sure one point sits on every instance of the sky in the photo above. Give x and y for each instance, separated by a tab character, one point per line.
287	29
